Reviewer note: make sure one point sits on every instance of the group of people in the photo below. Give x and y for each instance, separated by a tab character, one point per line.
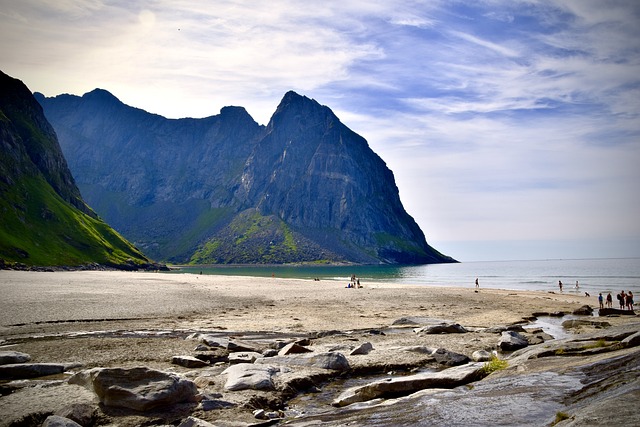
354	283
625	299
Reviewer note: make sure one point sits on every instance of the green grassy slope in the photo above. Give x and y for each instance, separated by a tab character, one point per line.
43	219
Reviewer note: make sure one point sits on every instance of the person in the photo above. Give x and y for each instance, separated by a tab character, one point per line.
609	300
621	297
477	284
560	285
630	300
601	300
358	284
577	286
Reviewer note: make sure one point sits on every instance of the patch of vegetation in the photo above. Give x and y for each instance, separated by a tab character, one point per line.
598	344
495	364
39	228
560	416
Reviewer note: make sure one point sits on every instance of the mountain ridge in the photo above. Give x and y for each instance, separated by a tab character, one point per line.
178	187
44	219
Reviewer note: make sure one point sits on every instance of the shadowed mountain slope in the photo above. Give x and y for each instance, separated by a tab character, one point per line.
44	220
224	189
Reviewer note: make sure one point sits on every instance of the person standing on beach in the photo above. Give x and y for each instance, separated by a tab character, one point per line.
560	285
620	297
630	301
477	284
609	300
600	300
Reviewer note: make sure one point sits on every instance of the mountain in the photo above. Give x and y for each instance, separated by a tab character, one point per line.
224	189
44	220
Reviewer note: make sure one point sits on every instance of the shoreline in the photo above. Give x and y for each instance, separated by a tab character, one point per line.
255	303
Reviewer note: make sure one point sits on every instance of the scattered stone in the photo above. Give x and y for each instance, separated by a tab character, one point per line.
615	311
270	352
212	340
417	321
449	358
30	370
188	362
202	347
249	376
214	356
363	348
58	421
244	357
293	348
510	341
481	356
442	328
139	388
12	357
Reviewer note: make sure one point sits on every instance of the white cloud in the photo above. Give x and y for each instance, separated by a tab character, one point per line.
500	119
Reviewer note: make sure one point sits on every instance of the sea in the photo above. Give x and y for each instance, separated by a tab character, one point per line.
591	275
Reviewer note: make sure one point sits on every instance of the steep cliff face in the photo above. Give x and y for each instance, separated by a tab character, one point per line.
44	220
225	190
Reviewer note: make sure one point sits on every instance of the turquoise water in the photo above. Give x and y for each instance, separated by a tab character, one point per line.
593	275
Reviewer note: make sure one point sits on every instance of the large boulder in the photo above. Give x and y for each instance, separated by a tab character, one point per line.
449	358
58	421
452	377
249	376
138	388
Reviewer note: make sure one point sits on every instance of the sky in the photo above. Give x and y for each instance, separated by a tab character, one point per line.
512	126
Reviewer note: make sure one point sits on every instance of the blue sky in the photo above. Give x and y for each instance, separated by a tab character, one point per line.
512	127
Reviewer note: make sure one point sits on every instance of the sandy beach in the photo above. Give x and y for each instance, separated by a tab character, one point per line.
41	301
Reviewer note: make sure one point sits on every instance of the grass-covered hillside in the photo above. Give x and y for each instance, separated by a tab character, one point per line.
43	219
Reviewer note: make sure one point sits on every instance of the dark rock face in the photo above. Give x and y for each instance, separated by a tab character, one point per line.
224	189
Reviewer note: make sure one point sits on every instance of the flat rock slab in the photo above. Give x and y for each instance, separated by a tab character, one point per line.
11	357
331	360
188	362
139	388
399	386
30	370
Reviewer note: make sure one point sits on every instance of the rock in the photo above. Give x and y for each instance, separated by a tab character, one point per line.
416	321
188	362
447	378
270	352
195	422
12	357
481	356
213	404
244	357
29	370
510	341
139	388
449	358
214	356
576	323
236	345
363	348
632	340
249	376
330	360
58	421
442	328
293	348
615	311
202	347
213	341
585	310
82	413
419	349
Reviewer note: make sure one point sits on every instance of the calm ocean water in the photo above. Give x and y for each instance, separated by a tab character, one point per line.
593	275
